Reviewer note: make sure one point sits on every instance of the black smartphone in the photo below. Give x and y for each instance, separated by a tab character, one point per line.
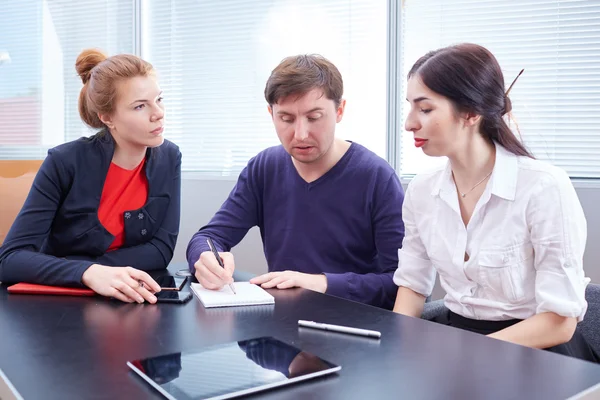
173	296
170	283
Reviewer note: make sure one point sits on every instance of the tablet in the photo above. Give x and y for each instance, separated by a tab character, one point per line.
7	390
230	370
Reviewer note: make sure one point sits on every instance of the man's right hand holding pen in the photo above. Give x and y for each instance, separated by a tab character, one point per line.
211	274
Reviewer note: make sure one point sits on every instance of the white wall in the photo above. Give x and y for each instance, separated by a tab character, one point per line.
201	198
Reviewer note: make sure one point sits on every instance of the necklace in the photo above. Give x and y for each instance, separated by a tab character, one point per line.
463	195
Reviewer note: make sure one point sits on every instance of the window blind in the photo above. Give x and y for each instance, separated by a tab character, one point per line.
213	58
556	101
39	86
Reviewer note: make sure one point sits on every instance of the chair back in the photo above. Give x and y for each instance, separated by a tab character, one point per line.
16	178
590	326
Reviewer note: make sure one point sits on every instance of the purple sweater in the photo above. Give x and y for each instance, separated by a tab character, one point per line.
347	224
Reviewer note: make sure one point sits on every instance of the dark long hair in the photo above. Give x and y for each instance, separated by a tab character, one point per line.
471	78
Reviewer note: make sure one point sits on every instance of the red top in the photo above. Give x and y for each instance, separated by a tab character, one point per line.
124	190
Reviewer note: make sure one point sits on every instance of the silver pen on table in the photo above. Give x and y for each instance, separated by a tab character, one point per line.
339	328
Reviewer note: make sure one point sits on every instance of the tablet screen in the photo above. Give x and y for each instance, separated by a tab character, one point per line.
231	369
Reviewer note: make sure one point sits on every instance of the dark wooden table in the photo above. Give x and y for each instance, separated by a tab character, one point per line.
55	347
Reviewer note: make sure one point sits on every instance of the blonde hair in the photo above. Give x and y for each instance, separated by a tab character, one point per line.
100	75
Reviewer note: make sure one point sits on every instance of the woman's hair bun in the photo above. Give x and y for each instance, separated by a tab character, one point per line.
86	61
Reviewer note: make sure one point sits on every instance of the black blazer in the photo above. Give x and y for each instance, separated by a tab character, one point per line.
57	234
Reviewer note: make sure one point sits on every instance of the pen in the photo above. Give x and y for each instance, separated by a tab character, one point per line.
339	328
219	260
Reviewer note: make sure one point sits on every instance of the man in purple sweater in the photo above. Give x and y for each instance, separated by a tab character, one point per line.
329	211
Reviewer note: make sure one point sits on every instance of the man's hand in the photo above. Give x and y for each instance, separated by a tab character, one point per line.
210	274
290	279
124	283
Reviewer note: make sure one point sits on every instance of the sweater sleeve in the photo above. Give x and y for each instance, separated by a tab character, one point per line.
237	215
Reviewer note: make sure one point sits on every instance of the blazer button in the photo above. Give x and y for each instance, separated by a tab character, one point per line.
127	215
144	232
140	216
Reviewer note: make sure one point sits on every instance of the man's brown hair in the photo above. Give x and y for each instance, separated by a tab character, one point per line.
298	75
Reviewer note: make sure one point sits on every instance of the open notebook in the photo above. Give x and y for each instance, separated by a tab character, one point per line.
247	295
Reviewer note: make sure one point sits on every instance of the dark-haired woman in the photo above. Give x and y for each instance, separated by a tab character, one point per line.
505	232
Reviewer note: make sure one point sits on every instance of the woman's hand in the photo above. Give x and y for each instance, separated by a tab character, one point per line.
124	283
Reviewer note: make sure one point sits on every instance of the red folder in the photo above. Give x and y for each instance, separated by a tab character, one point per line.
32	288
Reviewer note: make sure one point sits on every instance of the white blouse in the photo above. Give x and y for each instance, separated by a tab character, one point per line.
525	242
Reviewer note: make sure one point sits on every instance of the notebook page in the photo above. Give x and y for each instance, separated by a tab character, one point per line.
247	294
